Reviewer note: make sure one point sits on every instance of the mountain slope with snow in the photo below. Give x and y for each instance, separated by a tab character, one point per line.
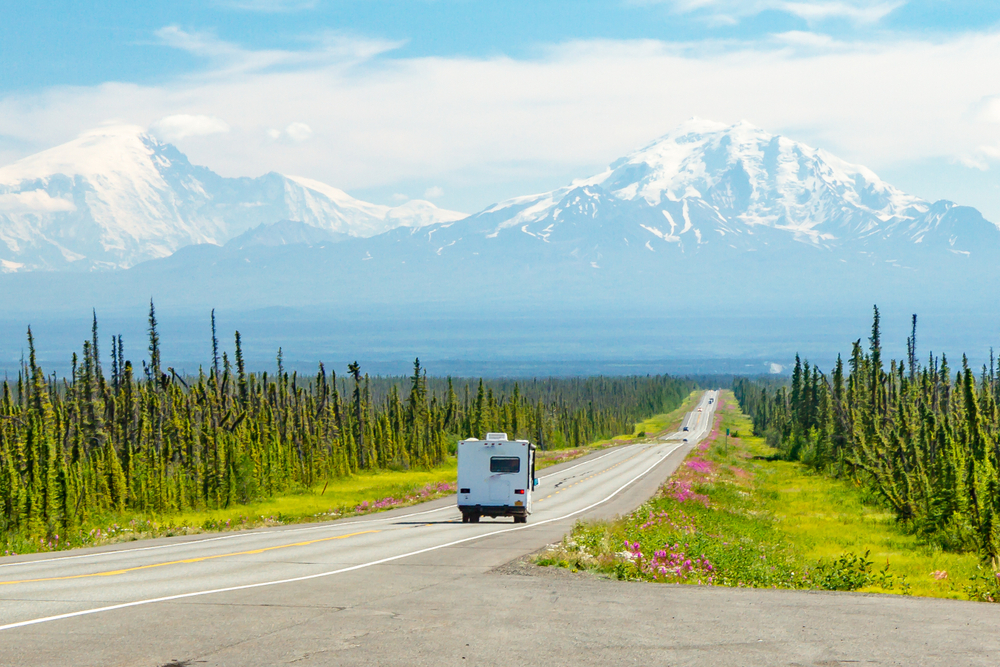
116	196
707	186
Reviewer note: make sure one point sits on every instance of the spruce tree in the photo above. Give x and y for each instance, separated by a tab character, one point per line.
154	345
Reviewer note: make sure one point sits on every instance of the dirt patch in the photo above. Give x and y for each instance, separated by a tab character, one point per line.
525	567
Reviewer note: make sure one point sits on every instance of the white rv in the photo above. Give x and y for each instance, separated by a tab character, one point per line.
495	478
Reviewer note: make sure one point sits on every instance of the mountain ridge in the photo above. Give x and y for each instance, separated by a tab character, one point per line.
706	182
116	196
780	222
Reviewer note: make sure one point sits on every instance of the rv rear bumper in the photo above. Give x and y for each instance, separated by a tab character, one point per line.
494	510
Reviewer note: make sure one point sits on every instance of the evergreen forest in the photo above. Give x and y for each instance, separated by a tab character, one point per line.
114	437
922	436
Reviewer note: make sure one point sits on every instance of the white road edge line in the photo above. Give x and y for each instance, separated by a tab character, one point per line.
249	533
256	533
181	596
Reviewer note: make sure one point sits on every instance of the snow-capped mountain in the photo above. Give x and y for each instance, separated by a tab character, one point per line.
708	186
117	196
779	222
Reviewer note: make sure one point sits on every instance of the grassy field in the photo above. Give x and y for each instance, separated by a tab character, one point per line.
731	516
358	494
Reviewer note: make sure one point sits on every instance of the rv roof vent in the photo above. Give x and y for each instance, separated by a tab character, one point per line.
496	436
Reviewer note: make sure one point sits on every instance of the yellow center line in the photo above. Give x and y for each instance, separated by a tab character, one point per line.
186	560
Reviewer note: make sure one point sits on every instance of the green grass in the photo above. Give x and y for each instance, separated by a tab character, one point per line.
358	494
340	497
668	422
730	516
824	518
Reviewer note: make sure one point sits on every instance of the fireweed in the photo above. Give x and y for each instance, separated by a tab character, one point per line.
703	527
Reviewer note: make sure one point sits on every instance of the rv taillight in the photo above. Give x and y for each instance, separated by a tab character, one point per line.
519	492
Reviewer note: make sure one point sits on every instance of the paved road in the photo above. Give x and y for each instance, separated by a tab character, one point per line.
418	587
696	424
51	605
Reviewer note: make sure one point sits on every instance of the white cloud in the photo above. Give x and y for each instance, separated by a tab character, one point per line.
181	126
732	11
468	124
981	158
295	133
298	132
226	59
988	109
807	39
858	12
34	201
399	196
433	192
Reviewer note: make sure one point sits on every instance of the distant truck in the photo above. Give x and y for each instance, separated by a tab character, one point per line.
496	477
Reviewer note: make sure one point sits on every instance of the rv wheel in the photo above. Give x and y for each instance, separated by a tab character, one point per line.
465	518
474	518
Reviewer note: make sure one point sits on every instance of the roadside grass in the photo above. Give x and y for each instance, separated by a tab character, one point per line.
358	494
669	422
648	428
361	493
730	516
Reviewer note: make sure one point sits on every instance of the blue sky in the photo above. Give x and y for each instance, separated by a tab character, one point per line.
50	43
471	102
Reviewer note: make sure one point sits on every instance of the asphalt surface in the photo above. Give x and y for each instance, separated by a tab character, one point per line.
416	586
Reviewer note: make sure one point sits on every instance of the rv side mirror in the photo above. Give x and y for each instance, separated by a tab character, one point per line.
536	483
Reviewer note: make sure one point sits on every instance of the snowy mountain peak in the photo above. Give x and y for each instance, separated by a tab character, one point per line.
116	196
743	170
706	184
100	151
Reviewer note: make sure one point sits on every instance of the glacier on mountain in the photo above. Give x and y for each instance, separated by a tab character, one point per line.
116	196
706	184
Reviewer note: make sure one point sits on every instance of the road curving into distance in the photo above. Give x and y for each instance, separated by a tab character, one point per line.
133	584
415	586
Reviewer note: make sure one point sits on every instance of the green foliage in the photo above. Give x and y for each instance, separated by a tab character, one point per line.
926	441
984	586
847	573
156	443
731	515
851	572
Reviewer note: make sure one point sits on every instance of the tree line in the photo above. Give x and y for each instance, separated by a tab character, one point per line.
111	437
923	436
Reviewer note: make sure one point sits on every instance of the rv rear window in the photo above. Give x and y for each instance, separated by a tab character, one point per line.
505	464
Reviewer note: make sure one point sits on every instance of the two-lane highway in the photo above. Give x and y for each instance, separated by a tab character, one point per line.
129	604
